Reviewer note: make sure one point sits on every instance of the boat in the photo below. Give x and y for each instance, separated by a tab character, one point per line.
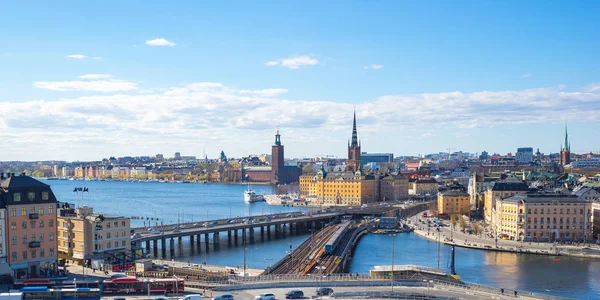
251	196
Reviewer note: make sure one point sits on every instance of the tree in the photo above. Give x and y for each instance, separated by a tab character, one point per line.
477	229
454	221
307	169
463	223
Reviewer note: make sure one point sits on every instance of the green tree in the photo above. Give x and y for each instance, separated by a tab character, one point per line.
463	223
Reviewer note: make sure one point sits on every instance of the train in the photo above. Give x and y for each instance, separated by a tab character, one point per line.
335	239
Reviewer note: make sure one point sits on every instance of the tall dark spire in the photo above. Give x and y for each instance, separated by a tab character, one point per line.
567	146
354	143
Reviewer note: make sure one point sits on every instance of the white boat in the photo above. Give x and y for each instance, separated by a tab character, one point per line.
249	196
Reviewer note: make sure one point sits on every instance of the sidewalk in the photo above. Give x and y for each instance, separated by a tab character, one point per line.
460	239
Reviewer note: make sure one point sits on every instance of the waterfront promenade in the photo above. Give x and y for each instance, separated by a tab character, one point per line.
456	237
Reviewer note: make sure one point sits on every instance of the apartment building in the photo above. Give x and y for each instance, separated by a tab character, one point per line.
85	237
30	217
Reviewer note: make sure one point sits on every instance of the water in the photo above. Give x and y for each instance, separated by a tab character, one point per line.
170	202
567	277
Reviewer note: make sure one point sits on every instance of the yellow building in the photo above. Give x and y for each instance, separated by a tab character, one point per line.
82	234
543	217
501	189
342	188
454	200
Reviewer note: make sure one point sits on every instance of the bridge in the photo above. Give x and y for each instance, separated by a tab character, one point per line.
282	223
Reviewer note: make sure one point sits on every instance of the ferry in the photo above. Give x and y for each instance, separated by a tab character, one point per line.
250	196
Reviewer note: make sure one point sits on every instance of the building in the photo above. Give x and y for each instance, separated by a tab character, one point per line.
85	236
29	207
586	193
596	221
565	151
354	153
454	200
478	185
278	172
378	159
543	217
524	155
501	189
393	187
423	186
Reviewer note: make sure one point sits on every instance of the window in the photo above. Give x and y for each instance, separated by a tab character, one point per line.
116	224
123	223
13	225
24	239
45	196
41	223
24	224
17	197
13	240
108	225
23	211
50	223
51	236
52	251
13	256
33	253
123	243
33	237
13	212
41	210
32	224
31	196
108	245
24	254
41	237
108	235
42	254
32	210
50	209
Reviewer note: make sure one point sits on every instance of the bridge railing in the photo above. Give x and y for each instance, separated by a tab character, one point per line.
493	290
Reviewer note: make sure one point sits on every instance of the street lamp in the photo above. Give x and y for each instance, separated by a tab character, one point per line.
392	276
176	284
148	284
320	268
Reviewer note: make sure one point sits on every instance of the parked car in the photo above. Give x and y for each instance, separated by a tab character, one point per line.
223	297
294	294
190	297
265	296
324	291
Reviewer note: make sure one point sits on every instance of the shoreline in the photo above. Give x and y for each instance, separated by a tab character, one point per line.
525	250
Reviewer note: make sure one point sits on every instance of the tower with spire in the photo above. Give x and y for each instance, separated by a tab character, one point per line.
565	151
353	164
277	160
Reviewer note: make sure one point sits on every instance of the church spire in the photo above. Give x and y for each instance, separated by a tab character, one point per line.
354	143
277	137
567	145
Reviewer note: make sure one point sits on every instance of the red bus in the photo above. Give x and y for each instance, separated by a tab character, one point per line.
133	285
19	284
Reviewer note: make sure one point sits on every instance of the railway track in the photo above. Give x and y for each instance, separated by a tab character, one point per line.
307	253
331	262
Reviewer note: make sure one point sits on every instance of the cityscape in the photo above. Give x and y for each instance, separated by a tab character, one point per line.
333	172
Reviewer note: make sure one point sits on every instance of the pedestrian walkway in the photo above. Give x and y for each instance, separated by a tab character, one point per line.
448	235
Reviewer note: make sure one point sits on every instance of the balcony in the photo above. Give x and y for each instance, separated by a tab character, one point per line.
34	244
34	216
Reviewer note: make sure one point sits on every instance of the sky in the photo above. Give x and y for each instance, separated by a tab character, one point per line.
84	80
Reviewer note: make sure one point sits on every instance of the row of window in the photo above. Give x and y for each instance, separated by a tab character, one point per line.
31	254
32	224
30	196
32	210
109	245
34	238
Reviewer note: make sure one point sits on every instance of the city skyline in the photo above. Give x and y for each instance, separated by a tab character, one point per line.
214	77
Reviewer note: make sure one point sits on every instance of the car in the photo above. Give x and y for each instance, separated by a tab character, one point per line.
265	296
195	224
119	299
181	226
207	224
232	221
289	215
223	297
113	276
294	294
176	230
190	297
324	291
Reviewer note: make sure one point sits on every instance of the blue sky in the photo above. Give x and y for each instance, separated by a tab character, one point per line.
83	80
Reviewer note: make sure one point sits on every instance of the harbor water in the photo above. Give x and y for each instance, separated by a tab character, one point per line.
561	276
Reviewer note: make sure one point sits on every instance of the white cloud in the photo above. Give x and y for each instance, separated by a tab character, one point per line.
526	75
594	87
105	86
294	62
76	56
95	76
265	92
160	42
96	57
164	119
373	67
